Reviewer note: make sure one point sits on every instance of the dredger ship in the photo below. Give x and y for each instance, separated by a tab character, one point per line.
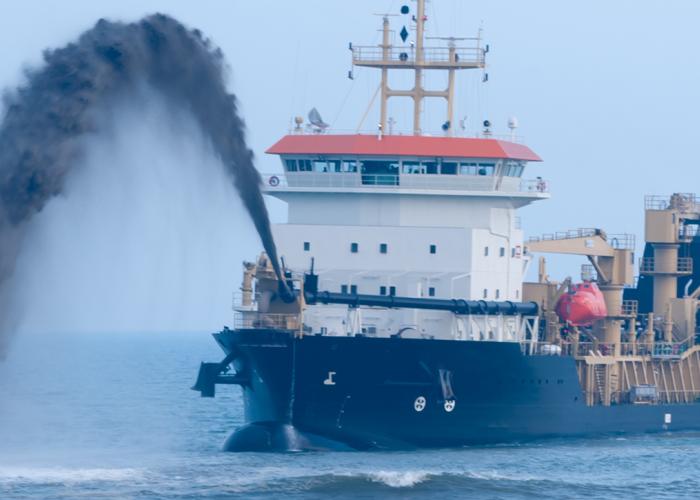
404	319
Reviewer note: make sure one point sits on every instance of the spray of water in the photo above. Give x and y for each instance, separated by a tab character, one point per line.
46	119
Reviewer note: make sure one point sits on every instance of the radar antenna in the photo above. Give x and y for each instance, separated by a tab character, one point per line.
316	121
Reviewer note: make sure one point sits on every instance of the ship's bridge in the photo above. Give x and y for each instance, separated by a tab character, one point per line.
404	165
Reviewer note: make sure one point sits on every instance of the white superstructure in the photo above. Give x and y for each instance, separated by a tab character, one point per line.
407	215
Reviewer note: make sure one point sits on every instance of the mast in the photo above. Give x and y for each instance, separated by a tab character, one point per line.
386	48
418	90
415	56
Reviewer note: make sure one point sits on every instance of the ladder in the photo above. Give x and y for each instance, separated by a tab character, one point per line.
599	373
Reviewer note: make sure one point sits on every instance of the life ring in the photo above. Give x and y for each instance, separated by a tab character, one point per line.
274	181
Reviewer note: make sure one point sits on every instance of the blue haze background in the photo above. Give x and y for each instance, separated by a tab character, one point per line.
605	92
121	279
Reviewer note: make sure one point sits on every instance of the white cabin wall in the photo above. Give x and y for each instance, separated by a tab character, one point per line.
407	248
393	209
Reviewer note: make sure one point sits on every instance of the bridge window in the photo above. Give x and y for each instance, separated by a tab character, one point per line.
320	166
380	172
448	167
354	247
431	167
502	251
383	248
486	169
304	165
307	246
411	167
291	165
433	249
513	169
382	290
348	166
416	167
392	291
468	168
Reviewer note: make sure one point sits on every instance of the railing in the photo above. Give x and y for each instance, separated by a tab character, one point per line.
309	129
684	202
237	301
565	235
629	308
253	320
432	56
687	396
688	231
534	186
617	241
659	350
648	265
588	272
404	181
621	241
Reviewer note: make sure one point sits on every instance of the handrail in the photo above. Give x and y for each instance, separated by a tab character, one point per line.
658	349
683	265
463	56
620	241
395	131
247	320
458	182
629	308
684	202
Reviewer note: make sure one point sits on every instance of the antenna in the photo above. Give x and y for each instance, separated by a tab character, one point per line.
487	128
512	125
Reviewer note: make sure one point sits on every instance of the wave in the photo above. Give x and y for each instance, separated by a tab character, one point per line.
399	479
67	475
407	479
342	482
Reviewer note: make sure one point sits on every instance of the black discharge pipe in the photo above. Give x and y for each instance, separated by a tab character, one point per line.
458	306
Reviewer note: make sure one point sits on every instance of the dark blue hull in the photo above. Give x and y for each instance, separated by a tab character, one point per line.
357	392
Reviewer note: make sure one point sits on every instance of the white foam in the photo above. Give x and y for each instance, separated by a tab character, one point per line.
66	475
492	475
399	479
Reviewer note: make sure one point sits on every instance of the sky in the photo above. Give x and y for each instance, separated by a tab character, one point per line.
605	92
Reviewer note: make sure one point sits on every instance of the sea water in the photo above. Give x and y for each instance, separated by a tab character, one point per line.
111	416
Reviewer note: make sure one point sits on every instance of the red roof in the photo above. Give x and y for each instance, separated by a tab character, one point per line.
401	145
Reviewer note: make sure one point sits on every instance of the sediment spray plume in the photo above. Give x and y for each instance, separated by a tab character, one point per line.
45	119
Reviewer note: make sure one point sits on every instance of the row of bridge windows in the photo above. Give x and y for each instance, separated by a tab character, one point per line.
395	166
